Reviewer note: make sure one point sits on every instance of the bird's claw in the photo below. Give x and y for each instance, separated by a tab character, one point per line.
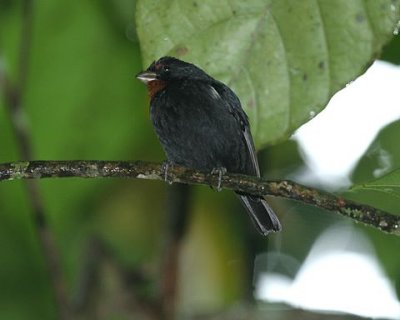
166	165
220	171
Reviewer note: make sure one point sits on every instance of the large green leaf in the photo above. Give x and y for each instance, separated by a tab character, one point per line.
285	59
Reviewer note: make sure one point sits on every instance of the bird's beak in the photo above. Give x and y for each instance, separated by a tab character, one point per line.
146	76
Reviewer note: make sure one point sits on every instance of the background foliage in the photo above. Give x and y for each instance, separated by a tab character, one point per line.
82	102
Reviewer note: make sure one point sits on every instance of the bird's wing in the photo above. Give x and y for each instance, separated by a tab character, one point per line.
251	148
236	110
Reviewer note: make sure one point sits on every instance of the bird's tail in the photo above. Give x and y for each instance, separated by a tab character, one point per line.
261	214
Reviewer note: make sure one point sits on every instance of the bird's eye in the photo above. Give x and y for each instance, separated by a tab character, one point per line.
166	68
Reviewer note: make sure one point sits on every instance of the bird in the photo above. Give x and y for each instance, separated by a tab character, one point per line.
201	125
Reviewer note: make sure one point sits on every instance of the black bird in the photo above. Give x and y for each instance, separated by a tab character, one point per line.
201	125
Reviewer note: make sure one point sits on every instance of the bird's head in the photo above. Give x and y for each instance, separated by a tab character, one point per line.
171	69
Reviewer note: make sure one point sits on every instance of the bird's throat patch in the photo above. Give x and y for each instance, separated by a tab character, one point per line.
155	86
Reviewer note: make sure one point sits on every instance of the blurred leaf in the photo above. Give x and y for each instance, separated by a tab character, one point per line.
376	181
122	219
285	59
212	268
385	245
81	102
383	192
282	160
389	184
376	178
120	15
385	248
391	52
382	156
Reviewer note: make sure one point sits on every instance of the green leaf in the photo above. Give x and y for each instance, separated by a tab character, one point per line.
376	177
391	51
285	59
383	192
382	156
377	183
389	184
81	102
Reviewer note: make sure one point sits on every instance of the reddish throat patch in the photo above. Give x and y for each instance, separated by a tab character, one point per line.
155	86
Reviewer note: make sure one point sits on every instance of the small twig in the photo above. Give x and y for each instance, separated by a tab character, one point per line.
145	170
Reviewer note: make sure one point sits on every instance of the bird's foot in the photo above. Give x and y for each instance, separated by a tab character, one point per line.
166	166
220	171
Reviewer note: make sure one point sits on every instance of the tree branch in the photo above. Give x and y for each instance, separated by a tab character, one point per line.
368	215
